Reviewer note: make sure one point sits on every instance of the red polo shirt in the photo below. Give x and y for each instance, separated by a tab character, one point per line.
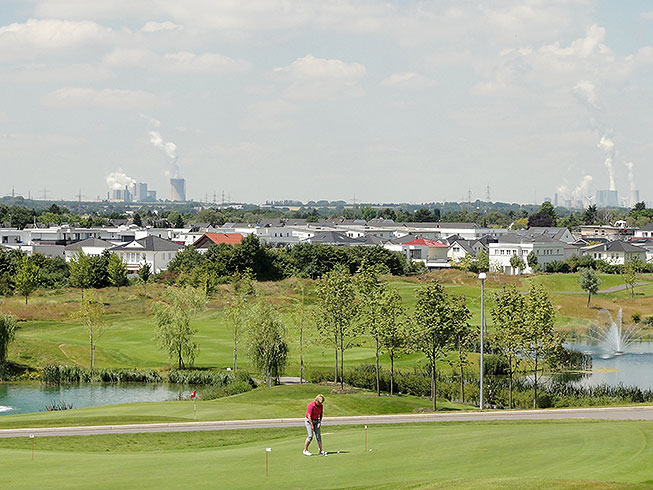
314	411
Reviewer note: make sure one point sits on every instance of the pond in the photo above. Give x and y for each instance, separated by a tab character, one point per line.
18	398
632	368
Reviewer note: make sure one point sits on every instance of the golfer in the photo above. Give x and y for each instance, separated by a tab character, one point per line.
313	423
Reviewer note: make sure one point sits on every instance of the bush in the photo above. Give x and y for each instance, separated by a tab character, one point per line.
56	374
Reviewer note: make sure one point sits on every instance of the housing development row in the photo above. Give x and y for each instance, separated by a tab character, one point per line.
436	244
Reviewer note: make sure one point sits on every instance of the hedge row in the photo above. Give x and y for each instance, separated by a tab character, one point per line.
56	374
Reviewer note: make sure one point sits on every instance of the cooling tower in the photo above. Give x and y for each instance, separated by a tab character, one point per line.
177	189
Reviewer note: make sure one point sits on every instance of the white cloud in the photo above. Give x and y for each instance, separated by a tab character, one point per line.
269	115
182	61
152	26
203	62
37	36
585	90
72	97
38	72
408	80
316	78
647	15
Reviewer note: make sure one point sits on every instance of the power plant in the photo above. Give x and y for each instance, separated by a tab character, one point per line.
177	189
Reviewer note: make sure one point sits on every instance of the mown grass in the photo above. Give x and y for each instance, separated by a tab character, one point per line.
572	455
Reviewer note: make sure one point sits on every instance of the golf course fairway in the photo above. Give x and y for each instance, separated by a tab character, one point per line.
574	454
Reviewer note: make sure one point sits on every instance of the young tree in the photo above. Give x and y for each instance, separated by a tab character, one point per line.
532	260
517	263
370	292
393	333
432	331
238	307
338	309
509	320
117	270
27	277
589	281
7	332
540	340
266	344
463	336
91	313
80	271
631	274
144	274
173	332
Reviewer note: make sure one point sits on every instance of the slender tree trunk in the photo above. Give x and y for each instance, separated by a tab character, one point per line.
392	373
535	385
180	361
268	374
378	382
462	379
589	297
236	347
510	373
25	299
92	350
301	353
433	385
335	370
342	363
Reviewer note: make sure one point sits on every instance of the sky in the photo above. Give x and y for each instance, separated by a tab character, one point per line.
381	101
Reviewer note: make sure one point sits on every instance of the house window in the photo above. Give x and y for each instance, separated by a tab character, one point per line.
456	249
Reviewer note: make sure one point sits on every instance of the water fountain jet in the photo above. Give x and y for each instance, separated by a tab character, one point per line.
612	336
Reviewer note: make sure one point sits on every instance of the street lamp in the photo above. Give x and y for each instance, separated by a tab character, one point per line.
482	276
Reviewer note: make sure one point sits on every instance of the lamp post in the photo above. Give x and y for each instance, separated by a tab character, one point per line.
482	276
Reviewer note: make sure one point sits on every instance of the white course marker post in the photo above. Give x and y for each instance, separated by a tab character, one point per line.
31	436
366	438
267	462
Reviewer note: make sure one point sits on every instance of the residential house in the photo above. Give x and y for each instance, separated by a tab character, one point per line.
645	231
207	239
546	250
155	251
431	252
616	252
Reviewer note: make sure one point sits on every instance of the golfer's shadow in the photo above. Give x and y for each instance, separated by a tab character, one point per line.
337	452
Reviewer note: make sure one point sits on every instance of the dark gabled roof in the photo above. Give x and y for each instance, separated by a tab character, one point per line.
334	237
552	232
647	227
402	239
372	240
149	244
381	222
89	242
617	246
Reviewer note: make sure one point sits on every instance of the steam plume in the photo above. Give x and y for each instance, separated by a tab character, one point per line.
119	180
168	147
631	177
607	146
582	188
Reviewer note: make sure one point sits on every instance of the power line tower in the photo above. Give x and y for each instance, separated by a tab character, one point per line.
45	193
487	193
469	195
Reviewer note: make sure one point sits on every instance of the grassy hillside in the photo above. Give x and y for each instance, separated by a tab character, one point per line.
287	401
49	333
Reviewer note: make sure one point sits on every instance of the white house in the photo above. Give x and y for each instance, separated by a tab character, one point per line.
546	250
645	231
432	253
616	252
153	250
459	248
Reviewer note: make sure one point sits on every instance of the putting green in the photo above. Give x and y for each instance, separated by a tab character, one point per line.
583	454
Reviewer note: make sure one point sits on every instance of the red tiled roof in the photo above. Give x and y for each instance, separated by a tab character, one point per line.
427	242
228	238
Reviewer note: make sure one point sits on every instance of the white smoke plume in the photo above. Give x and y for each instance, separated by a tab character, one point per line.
582	189
119	180
168	147
631	177
607	146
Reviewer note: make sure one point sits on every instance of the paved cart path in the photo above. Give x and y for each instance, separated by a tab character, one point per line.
609	413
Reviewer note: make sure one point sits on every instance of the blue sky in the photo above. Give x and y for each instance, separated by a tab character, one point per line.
297	99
